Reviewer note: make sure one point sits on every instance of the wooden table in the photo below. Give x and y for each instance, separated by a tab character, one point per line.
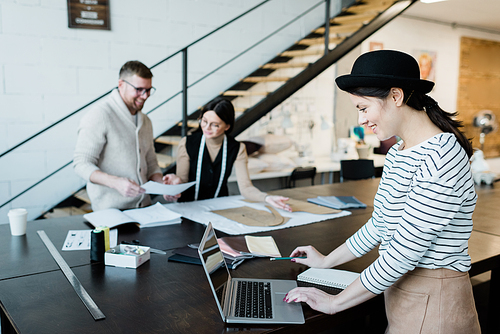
162	296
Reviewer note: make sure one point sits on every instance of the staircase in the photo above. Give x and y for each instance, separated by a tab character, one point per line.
273	82
250	94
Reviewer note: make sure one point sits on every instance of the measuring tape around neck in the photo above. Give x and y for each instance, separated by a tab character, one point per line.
200	162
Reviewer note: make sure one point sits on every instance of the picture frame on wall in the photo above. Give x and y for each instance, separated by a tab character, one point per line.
376	46
89	14
427	63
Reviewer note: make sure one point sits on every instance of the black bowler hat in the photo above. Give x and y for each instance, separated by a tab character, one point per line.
385	68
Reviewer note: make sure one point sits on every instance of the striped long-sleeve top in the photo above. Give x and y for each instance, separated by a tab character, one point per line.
422	213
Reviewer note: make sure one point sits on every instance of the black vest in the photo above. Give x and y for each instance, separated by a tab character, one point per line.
210	171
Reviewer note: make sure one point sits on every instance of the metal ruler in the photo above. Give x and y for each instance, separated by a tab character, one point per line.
73	280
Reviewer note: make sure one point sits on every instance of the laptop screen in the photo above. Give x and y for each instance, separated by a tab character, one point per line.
214	264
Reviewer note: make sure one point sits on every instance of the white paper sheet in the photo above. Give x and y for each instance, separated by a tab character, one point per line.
80	240
199	211
157	188
153	214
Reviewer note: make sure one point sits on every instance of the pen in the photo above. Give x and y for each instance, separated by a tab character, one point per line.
287	258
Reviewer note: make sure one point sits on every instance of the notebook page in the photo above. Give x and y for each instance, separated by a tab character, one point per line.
264	246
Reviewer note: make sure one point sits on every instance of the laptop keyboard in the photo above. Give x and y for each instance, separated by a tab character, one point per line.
253	300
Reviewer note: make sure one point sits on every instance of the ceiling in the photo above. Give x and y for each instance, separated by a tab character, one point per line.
482	14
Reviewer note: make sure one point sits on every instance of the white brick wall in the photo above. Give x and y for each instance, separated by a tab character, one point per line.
48	70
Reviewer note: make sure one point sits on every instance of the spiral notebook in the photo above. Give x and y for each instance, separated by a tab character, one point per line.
335	278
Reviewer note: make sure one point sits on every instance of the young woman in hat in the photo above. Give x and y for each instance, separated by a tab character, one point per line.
422	216
208	156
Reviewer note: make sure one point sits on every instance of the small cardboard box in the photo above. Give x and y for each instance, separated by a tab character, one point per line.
118	257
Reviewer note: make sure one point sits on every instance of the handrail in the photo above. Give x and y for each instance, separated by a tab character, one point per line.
54	124
183	91
37	183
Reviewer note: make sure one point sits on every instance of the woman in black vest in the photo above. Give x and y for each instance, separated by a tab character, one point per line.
208	156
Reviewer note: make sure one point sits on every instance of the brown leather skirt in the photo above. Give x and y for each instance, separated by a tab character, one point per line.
437	301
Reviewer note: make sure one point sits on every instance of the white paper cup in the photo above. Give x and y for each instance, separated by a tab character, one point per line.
18	219
363	151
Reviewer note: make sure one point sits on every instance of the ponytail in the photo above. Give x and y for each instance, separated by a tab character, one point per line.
444	120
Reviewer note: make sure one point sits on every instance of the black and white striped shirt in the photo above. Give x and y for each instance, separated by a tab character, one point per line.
422	213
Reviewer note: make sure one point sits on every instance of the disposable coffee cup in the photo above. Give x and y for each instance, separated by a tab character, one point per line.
18	219
363	151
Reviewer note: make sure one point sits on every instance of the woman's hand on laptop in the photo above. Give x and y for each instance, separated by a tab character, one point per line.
353	295
315	298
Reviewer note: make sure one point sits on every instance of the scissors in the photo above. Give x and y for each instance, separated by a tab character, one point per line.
137	242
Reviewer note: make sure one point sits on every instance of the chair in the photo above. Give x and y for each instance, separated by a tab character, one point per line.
300	173
356	169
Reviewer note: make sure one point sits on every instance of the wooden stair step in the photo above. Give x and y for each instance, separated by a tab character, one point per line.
87	207
82	196
265	79
300	53
376	2
370	7
321	40
284	65
239	109
64	212
164	160
168	140
191	123
243	93
354	18
341	29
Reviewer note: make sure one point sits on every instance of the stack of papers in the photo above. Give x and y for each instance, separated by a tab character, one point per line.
338	202
154	215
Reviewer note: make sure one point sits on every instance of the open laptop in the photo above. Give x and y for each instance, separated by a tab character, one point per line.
244	300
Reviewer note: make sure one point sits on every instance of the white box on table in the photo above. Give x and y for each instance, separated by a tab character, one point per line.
116	256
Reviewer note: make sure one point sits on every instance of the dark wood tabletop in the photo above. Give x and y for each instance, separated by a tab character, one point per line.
161	296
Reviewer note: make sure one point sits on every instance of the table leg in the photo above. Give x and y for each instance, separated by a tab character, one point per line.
5	325
494	302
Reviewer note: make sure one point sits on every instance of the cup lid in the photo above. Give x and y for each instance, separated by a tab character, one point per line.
15	212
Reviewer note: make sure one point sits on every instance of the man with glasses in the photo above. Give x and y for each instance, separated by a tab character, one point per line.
115	146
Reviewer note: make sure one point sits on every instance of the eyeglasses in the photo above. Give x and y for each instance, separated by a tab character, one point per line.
141	91
204	123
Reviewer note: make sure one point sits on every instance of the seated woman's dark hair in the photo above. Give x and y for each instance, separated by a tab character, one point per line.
223	108
422	102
